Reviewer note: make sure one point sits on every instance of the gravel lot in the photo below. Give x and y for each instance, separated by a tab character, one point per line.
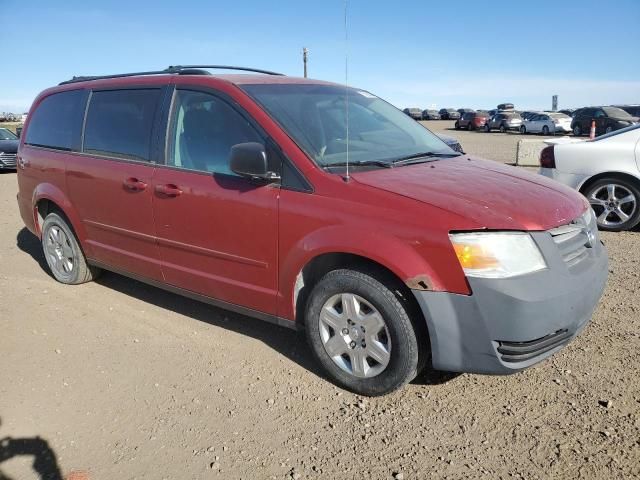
122	380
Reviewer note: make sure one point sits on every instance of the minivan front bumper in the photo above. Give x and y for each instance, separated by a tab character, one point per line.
507	325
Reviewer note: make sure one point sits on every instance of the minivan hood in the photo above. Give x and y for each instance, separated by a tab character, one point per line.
494	196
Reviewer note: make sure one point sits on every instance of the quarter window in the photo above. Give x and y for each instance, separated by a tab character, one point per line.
203	130
119	123
57	121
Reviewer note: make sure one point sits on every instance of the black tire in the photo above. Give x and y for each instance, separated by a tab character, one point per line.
503	129
577	130
405	358
71	266
632	188
470	126
523	130
457	126
609	129
545	130
487	128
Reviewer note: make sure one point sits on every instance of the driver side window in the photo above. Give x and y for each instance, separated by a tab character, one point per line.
203	130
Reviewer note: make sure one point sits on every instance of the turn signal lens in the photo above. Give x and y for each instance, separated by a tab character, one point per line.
474	256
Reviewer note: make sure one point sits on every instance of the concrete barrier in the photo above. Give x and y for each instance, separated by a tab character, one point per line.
528	152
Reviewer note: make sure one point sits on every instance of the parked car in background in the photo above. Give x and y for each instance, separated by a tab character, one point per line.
546	124
449	114
414	112
605	170
607	120
528	114
8	149
504	122
462	111
250	198
454	143
633	110
472	120
567	111
430	115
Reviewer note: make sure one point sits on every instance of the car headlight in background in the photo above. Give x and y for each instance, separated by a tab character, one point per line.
497	254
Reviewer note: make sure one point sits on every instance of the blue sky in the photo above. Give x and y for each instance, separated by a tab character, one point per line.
412	53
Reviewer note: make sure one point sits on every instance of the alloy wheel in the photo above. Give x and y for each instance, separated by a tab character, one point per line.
613	204
355	335
59	251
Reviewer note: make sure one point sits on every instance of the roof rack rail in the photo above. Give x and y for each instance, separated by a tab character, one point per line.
174	69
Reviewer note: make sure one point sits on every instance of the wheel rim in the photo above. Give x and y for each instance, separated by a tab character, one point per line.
59	251
576	131
355	335
613	203
608	130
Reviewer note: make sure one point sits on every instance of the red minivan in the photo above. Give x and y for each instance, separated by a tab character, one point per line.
314	206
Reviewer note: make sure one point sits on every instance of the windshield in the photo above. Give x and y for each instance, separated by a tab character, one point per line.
616	112
7	134
314	116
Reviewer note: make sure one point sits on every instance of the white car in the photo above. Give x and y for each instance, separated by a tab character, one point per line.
606	170
547	123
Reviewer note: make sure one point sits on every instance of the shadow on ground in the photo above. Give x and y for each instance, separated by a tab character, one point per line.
45	463
289	343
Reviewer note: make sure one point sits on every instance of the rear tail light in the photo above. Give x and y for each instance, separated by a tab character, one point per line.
548	157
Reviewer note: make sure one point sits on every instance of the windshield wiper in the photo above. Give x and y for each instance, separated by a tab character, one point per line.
360	163
422	157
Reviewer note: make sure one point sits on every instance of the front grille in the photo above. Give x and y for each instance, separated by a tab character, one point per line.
575	239
512	352
7	160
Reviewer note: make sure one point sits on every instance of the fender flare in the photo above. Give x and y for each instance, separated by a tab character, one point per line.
386	250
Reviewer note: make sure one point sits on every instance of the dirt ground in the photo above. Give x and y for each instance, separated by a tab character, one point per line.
121	380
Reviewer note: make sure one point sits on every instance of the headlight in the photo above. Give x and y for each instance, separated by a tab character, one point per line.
497	254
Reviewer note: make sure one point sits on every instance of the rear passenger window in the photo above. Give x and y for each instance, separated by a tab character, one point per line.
57	121
119	123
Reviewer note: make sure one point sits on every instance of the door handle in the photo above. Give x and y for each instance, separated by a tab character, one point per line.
134	185
169	190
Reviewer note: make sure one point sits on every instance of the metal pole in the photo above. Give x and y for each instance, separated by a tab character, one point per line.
305	53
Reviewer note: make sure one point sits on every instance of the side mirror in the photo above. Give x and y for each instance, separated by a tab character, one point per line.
250	160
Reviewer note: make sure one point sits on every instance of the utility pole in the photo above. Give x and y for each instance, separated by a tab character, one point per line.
305	53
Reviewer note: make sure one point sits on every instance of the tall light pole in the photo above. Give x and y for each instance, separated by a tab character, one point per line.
305	54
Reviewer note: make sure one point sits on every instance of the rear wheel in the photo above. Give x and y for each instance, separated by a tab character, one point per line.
361	333
503	129
487	128
63	253
609	129
615	203
470	126
577	131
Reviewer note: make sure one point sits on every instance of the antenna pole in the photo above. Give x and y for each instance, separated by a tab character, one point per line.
346	82
305	54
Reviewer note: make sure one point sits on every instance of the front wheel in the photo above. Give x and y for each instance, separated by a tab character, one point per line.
609	129
523	129
361	333
63	253
503	129
487	128
545	130
615	203
457	126
577	131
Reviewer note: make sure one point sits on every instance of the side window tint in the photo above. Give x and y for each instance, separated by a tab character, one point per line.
119	123
57	121
203	130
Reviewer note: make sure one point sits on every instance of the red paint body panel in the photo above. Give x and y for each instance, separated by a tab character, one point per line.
118	221
219	237
246	244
